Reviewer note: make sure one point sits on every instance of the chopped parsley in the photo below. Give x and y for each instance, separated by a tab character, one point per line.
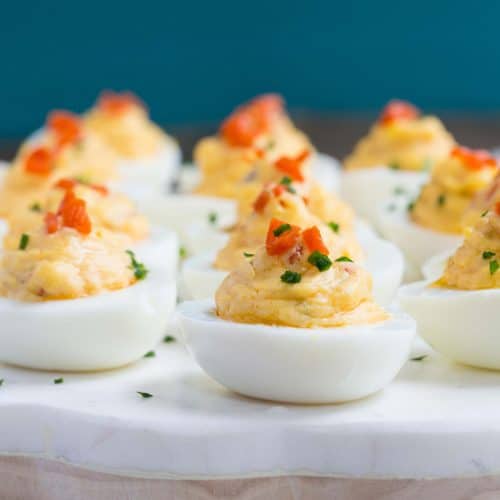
394	165
321	261
398	190
212	218
82	179
140	271
484	213
248	254
287	182
168	339
494	265
290	277
282	229
58	380
410	206
344	258
36	207
488	255
441	200
419	358
23	242
334	226
144	395
182	252
150	354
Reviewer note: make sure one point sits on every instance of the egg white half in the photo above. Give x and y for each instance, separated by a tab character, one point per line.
418	243
93	333
367	188
460	324
296	365
434	267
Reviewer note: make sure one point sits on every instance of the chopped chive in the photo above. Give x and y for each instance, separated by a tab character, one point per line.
140	271
144	395
321	261
344	258
484	213
58	380
212	218
23	242
290	277
1	381
168	339
488	255
393	165
398	190
36	207
410	206
419	358
286	181
182	252
494	265
82	179
441	200
150	354
334	226
282	229
248	254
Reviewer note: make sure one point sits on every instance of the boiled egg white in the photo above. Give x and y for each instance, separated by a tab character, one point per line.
460	324
92	333
296	365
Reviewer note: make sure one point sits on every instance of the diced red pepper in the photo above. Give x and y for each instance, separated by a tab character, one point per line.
278	245
293	166
74	213
65	125
51	222
278	190
262	200
39	161
117	103
398	110
475	159
314	241
66	184
497	207
100	189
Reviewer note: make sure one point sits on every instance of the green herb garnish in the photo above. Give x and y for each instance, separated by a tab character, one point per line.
321	261
334	226
484	213
23	242
271	144
82	179
494	265
410	206
58	380
36	207
393	165
441	200
291	277
282	229
140	271
248	254
144	395
419	358
168	339
182	252
398	190
344	258
1	382
488	255
212	218
150	354
286	181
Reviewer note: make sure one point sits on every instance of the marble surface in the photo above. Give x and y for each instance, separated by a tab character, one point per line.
436	420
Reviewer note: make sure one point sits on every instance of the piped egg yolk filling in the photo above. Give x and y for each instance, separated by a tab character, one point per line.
402	139
259	131
112	211
121	120
281	201
294	281
455	181
66	258
476	264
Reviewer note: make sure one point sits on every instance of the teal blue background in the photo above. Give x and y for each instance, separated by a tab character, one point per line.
193	61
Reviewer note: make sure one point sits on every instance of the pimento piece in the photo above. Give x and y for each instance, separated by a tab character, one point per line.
398	110
286	240
66	127
278	190
51	222
246	123
314	241
116	103
474	159
497	207
39	161
293	166
100	189
66	184
73	213
262	200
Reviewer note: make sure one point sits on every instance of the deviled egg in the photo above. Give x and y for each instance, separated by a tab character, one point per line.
203	273
75	297
398	153
435	221
147	157
458	314
291	310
